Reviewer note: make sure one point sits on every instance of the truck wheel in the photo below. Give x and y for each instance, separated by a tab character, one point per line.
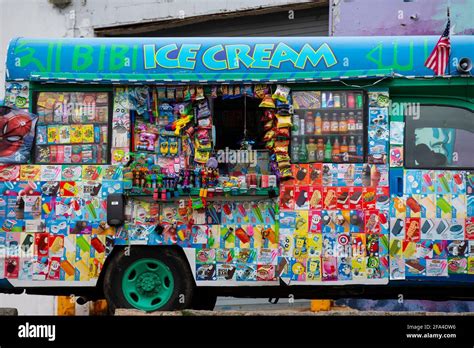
149	279
203	299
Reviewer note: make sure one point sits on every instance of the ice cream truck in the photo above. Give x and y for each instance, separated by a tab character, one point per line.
161	172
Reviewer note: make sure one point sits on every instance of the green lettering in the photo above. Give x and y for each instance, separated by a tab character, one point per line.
82	57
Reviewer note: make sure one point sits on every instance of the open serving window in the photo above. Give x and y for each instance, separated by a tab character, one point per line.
328	126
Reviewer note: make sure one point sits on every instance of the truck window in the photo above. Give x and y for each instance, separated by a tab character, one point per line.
72	128
439	137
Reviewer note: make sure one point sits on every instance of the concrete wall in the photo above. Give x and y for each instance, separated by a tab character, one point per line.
400	17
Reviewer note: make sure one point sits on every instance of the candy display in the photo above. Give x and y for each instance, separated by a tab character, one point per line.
72	127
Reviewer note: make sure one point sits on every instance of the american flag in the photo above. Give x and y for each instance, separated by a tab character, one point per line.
439	57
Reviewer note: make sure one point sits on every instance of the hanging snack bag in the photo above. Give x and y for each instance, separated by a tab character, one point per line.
281	93
267	102
260	91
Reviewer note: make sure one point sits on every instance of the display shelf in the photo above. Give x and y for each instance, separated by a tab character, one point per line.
194	192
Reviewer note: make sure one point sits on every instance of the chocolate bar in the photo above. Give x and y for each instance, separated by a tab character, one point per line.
355	197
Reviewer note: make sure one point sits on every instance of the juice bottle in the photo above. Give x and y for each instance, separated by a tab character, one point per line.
337	100
336	151
359	121
330	102
320	150
351	123
334	124
311	148
343	123
328	151
309	123
350	101
318	124
352	146
326	124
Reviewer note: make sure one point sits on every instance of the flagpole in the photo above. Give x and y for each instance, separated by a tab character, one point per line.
449	57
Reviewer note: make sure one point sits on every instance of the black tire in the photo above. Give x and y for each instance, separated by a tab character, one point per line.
172	257
203	299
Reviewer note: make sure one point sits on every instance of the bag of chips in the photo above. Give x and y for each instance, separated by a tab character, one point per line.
283	121
281	93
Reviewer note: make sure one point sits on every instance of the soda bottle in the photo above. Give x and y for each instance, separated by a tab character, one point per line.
334	124
344	149
323	100
294	150
303	152
359	147
320	150
359	122
359	101
350	101
351	123
318	124
337	100
328	151
352	146
326	124
330	102
296	125
343	123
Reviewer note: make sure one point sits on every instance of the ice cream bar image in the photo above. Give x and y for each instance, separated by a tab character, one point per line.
413	204
444	182
301	200
82	243
242	235
429	182
228	233
82	267
243	212
98	245
57	245
458	179
91	209
301	174
397	227
355	197
343	197
395	247
415	265
443	205
227	210
442	226
256	211
67	267
426	227
398	204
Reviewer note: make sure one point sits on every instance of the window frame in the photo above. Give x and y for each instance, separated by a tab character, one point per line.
446	102
35	90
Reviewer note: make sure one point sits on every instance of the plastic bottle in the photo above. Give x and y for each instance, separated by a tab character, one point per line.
343	123
350	101
352	146
351	123
328	151
318	124
302	126
309	123
330	102
344	150
359	122
320	150
323	100
359	101
303	152
326	124
311	148
336	150
334	124
294	150
359	147
296	124
337	100
343	100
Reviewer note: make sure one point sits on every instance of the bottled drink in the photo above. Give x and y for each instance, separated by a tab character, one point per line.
296	124
344	149
351	123
350	100
343	123
359	147
311	148
359	122
336	151
326	124
352	146
294	150
359	101
328	151
334	124
303	152
309	123
302	126
343	100
320	150
337	100
323	100
330	101
318	124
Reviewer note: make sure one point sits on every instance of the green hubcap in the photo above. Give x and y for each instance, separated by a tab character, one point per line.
147	284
